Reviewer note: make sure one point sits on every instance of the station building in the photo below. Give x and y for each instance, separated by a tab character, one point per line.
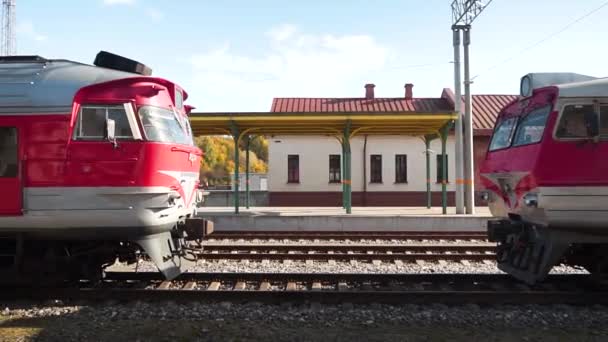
387	170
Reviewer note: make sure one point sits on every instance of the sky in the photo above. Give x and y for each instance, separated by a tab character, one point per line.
237	55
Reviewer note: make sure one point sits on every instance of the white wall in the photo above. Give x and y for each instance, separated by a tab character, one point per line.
314	162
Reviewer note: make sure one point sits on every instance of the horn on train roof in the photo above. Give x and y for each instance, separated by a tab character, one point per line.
109	60
532	81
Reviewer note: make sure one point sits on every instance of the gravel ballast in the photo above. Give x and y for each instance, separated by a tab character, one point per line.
165	321
300	266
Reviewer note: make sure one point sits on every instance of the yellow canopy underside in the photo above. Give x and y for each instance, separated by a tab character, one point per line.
319	123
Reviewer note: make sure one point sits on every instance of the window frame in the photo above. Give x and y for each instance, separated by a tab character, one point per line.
129	113
439	178
296	179
397	180
372	180
596	103
332	172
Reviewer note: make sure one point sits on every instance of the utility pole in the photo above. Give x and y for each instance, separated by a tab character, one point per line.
9	39
464	13
458	153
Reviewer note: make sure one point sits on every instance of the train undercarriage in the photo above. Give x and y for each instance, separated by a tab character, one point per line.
27	259
529	251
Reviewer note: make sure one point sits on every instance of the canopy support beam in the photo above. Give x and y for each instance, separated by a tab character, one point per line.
427	143
347	181
247	141
236	137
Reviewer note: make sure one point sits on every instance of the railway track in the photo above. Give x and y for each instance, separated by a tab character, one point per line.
380	252
574	289
351	235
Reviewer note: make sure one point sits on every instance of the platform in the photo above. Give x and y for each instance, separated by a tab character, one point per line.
335	219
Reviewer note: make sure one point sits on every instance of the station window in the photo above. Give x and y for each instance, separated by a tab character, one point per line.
440	168
334	168
376	168
293	168
400	168
8	152
91	122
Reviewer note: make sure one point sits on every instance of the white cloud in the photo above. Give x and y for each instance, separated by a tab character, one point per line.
118	2
155	14
295	65
282	32
26	27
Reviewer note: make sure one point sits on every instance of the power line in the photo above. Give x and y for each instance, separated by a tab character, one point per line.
572	23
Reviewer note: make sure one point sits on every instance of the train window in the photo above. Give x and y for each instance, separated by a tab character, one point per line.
531	128
503	134
123	129
91	123
604	120
573	121
179	99
8	152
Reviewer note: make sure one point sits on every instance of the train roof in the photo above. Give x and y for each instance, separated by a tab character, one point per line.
593	88
32	84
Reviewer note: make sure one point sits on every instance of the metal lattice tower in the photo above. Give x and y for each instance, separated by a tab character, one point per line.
9	38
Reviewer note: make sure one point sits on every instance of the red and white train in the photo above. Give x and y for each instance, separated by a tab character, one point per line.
96	162
546	175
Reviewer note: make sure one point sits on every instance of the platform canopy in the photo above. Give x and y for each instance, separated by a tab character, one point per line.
343	118
333	124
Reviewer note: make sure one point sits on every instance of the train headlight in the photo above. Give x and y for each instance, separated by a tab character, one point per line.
172	197
484	196
531	200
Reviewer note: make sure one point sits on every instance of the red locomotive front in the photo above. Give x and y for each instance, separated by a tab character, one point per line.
546	178
97	158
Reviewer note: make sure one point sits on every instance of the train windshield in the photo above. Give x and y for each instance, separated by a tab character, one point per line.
163	125
503	134
524	129
530	129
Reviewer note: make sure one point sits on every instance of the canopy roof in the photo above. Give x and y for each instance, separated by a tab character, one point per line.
321	123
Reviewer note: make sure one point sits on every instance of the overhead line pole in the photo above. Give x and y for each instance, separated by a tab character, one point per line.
464	13
469	171
458	129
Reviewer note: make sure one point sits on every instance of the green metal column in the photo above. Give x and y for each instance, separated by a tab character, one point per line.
235	136
343	171
347	169
247	171
427	143
444	169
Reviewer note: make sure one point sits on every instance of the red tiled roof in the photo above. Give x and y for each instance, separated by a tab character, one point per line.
360	105
485	109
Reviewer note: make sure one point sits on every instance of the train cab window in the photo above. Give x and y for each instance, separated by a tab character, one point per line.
530	129
575	121
8	152
91	122
503	134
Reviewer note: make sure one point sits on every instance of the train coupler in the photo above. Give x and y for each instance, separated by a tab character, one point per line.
498	230
196	228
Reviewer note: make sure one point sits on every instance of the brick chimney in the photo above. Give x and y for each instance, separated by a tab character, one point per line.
409	93
369	91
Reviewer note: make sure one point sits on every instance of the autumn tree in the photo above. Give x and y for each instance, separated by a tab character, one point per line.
218	161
